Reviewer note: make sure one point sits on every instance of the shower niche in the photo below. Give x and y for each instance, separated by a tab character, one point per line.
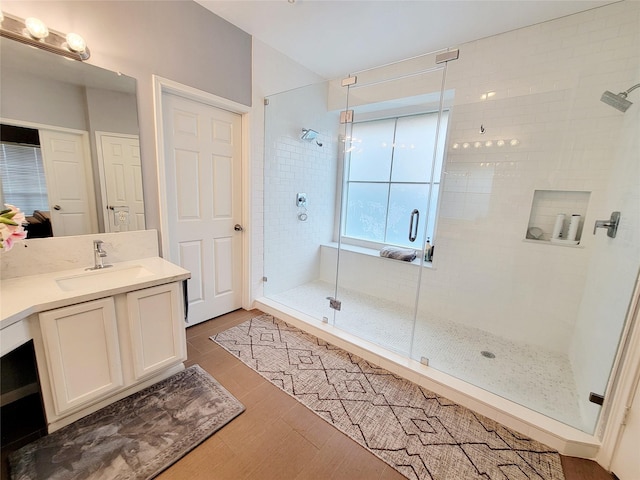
557	217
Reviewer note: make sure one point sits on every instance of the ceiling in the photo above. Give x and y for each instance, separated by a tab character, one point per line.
336	37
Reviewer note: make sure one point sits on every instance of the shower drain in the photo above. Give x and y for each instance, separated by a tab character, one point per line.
488	354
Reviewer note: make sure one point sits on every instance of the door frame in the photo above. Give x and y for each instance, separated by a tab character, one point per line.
163	86
623	384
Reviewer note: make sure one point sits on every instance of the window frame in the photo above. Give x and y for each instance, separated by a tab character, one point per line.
341	206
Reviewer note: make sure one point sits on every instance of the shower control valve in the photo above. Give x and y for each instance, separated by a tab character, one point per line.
301	200
611	225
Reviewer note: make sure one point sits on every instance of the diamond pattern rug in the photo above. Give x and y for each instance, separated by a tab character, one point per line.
134	438
420	434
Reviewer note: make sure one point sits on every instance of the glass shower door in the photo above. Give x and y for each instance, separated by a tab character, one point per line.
300	170
393	123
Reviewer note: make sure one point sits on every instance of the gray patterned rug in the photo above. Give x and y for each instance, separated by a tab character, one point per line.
420	434
135	438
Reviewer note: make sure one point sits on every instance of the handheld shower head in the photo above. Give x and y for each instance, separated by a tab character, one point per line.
618	101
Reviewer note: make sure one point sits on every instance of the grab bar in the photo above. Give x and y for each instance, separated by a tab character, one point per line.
413	231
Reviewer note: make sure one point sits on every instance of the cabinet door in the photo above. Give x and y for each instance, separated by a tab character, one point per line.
82	352
156	328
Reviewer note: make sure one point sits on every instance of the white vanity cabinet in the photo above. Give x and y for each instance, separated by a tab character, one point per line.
82	353
101	350
157	339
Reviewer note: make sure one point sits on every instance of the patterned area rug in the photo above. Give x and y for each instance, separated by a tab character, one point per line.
134	438
420	434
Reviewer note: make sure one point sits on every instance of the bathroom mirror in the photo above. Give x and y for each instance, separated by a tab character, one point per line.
86	121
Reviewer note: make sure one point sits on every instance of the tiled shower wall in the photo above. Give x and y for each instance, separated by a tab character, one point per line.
547	80
292	166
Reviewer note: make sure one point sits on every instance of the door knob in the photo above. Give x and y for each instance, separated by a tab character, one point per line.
57	207
238	228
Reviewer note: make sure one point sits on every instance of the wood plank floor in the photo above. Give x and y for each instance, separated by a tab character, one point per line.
278	438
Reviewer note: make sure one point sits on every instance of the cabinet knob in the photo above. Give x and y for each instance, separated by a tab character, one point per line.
238	228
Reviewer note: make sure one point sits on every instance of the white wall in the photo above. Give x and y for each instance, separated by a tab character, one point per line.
29	98
547	80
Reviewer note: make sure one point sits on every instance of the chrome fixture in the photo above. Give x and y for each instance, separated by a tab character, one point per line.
34	32
611	225
619	101
413	230
309	135
98	254
301	199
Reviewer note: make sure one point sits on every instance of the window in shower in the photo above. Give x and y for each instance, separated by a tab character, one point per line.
390	173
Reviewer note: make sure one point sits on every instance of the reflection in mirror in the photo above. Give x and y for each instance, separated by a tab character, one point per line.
69	146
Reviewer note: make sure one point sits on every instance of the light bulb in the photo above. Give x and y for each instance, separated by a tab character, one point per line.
455	146
76	43
36	28
477	144
488	143
514	142
465	145
500	143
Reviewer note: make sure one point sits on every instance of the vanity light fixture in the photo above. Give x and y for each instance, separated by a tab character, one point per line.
76	43
35	32
36	28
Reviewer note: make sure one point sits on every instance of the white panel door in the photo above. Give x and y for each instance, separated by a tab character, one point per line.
67	165
203	169
123	183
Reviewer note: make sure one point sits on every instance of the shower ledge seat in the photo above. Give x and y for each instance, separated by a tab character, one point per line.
567	440
374	253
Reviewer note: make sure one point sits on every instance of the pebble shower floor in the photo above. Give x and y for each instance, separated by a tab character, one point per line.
539	379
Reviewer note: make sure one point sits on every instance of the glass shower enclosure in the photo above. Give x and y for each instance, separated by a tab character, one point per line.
446	211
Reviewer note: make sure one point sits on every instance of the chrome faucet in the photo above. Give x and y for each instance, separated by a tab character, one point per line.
99	254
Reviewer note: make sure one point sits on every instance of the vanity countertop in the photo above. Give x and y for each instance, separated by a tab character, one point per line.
23	296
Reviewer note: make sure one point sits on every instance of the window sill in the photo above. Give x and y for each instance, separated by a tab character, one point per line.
375	253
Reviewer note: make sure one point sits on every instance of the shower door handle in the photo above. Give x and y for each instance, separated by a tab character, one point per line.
413	230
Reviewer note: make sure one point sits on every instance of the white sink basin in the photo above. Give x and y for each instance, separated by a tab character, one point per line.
103	278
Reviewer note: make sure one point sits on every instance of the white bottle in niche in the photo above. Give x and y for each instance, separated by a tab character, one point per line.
557	228
573	227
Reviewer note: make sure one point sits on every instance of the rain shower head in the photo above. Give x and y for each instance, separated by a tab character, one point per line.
308	134
618	101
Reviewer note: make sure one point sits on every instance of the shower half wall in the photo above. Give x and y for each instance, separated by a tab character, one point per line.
549	313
